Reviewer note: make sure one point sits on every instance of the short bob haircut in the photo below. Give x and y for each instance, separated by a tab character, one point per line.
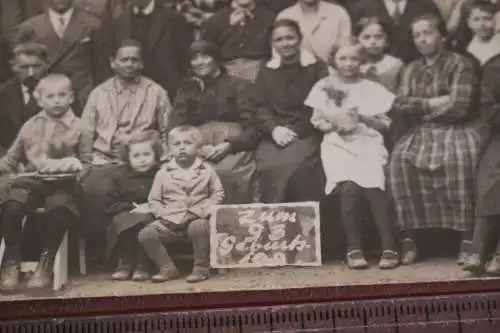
141	137
194	133
367	21
351	41
434	20
481	5
286	23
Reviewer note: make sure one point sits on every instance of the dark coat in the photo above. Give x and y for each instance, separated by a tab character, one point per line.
166	59
78	54
14	112
5	56
15	12
13	108
400	35
127	187
488	179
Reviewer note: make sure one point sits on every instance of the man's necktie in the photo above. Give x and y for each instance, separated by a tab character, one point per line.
62	27
396	16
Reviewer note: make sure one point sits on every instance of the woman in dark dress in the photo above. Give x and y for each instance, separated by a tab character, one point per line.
289	142
219	105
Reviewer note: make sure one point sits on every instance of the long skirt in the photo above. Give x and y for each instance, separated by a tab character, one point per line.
246	69
488	180
122	222
432	174
279	167
96	186
238	172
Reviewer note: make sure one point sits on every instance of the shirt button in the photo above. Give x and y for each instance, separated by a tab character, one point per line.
242	45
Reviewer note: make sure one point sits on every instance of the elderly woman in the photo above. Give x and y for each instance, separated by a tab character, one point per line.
218	104
433	165
289	142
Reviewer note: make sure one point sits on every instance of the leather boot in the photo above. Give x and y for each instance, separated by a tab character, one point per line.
11	269
43	274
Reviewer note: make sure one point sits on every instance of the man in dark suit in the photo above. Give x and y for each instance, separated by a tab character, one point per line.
71	37
164	34
5	55
398	14
29	63
14	12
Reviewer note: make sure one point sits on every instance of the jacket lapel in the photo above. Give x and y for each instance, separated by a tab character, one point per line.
75	31
384	13
15	103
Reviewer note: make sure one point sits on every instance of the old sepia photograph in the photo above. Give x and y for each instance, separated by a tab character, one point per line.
184	146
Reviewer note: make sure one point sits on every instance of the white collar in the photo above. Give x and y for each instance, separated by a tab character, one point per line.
148	10
391	5
306	59
66	15
484	51
172	164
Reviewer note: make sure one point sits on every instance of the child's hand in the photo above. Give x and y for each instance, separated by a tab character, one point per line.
283	136
206	151
141	209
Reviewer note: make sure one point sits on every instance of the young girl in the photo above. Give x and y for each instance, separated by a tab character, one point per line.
350	111
126	204
378	65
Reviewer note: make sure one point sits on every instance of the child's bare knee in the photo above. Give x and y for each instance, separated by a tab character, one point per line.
147	235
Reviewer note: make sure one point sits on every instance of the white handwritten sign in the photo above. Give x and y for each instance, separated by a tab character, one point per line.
265	235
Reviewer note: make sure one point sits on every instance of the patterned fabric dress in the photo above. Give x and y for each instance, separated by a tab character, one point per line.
433	166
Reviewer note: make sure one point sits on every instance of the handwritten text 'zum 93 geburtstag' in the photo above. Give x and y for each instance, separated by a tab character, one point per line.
272	252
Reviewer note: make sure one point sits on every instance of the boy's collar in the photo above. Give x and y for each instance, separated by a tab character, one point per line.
172	164
67	118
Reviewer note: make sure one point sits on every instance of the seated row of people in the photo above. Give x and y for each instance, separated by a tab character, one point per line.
276	131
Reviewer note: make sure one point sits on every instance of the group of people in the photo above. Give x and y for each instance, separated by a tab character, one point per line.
135	124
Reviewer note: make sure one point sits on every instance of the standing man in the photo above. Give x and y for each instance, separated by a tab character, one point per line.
399	15
69	33
164	34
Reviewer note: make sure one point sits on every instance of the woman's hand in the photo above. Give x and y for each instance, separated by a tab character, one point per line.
283	136
219	152
141	209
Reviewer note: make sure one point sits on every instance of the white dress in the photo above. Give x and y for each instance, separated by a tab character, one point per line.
359	157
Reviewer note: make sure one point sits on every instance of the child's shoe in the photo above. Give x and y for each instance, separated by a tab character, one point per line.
473	264
465	250
165	274
199	274
356	260
493	266
408	252
123	272
389	260
10	275
140	274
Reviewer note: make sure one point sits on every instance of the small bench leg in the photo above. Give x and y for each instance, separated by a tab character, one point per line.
61	265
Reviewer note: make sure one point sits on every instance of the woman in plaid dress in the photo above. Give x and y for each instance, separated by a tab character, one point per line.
432	168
